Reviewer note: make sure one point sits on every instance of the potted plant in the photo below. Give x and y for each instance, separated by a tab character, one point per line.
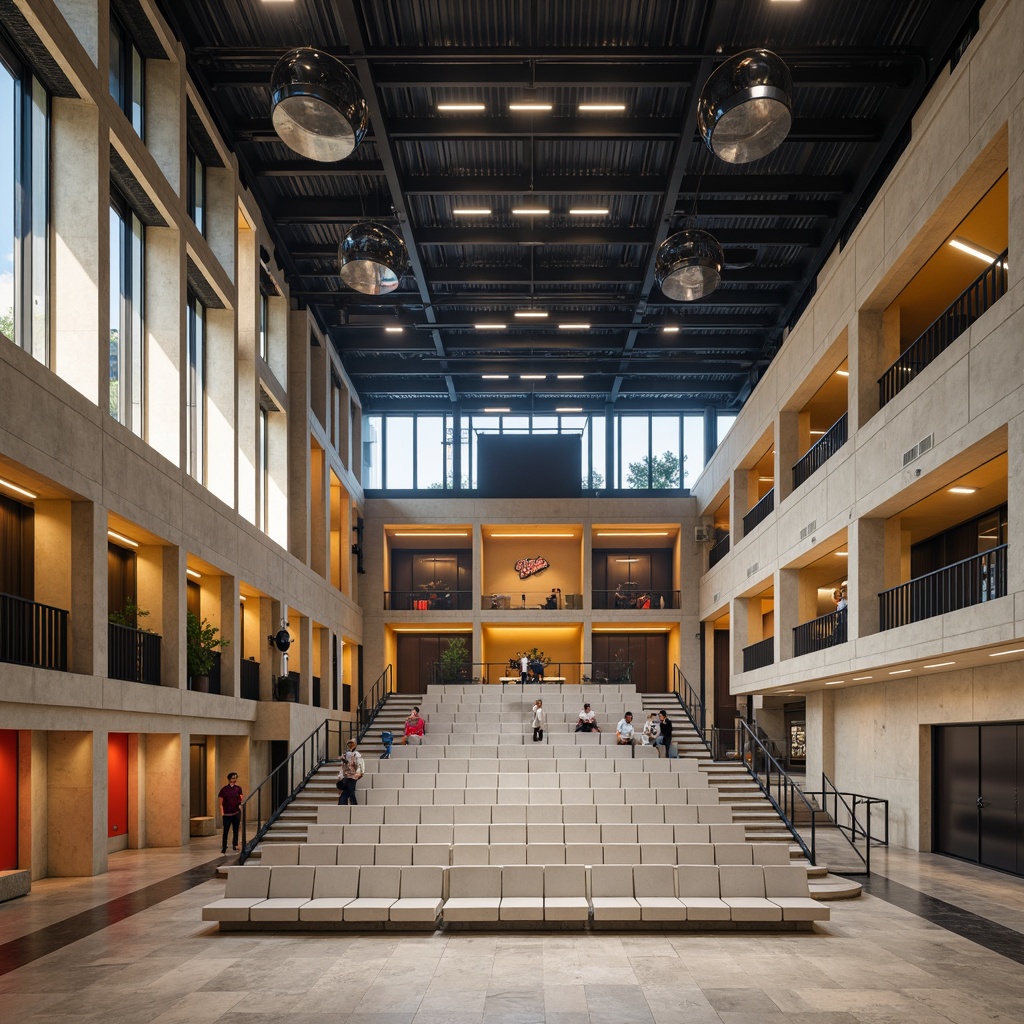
454	660
202	640
283	689
129	615
438	594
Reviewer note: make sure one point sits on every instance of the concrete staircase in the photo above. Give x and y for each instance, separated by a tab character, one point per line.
750	807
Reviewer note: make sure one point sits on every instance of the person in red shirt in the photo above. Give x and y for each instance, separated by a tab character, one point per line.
230	800
414	725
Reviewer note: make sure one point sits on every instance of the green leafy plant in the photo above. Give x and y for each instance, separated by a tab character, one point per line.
129	615
202	640
454	659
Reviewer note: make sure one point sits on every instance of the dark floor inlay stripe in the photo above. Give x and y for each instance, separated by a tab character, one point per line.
21	951
965	923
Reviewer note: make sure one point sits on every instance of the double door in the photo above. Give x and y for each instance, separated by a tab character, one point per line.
978	787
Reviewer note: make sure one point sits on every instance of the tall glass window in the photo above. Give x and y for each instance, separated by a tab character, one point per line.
196	189
127	75
264	326
127	341
399	453
24	207
264	462
195	325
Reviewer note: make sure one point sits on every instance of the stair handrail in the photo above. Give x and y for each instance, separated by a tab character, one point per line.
373	700
787	794
301	764
854	830
691	704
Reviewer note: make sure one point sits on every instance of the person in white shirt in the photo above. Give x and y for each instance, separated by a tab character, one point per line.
650	733
524	667
352	769
538	720
588	721
625	734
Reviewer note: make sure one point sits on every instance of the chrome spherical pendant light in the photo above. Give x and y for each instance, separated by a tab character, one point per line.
372	259
689	265
317	107
745	109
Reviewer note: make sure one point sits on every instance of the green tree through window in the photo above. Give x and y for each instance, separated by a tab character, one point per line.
664	472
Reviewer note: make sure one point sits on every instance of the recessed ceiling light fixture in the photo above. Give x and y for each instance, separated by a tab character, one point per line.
941	664
502	408
17	490
494	376
670	329
900	671
570	376
601	108
490	327
529	108
974	250
632	533
569	408
962	490
1001	654
317	107
195	575
544	535
745	109
842	373
531	314
430	533
589	211
860	679
471	211
122	538
452	108
574	327
533	376
530	211
835	682
765	479
393	330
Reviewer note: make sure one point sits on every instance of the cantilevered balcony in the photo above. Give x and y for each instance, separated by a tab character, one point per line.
33	634
821	451
824	631
133	654
759	513
759	655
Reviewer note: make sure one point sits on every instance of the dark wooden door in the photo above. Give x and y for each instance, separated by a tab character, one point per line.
725	703
417	653
999	823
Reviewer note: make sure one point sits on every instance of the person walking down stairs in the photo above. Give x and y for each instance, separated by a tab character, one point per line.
352	769
538	720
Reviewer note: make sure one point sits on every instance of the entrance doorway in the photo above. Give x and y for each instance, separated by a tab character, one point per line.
648	653
978	772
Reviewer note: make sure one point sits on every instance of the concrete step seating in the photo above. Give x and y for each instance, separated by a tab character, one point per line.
324	896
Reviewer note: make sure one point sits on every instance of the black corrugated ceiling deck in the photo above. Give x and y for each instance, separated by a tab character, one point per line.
859	69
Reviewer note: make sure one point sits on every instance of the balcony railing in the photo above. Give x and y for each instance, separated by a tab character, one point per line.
573	672
531	599
133	654
33	634
249	679
816	635
973	581
760	512
643	600
759	655
424	601
718	552
821	451
977	299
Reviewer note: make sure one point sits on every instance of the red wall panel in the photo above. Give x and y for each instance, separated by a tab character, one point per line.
8	799
117	784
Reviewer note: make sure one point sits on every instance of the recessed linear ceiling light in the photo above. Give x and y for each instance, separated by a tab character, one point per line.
450	108
430	533
569	408
544	535
195	575
570	376
501	408
574	327
627	559
529	108
962	490
640	629
842	554
842	373
427	629
17	489
835	682
530	211
472	211
765	479
630	533
533	376
860	679
122	538
974	250
601	108
393	330
670	329
816	432
589	211
941	664
490	327
531	314
1000	654
494	376
900	671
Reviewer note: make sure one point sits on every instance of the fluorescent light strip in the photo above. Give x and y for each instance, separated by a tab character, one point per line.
122	538
195	575
638	629
574	327
430	533
526	108
670	329
494	376
530	211
501	408
17	489
601	108
588	211
836	682
422	629
842	554
533	535
393	330
645	533
472	211
570	376
531	314
569	408
962	490
900	671
533	376
1002	654
842	373
973	250
490	327
941	664
860	679
449	108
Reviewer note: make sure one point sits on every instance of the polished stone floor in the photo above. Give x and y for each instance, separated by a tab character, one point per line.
935	941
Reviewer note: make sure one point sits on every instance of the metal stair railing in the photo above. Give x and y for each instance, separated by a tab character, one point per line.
844	816
373	701
691	703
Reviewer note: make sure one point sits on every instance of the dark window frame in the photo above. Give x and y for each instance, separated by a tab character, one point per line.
132	288
127	75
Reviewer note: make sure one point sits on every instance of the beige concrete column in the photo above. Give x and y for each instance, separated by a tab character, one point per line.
166	354
345	426
76	795
136	791
230	630
319	513
745	614
90	22
222	216
165	119
33	792
248	385
874	339
319	384
87	643
739	505
820	726
167	791
787	453
299	469
173	662
221	412
302	636
355	464
79	217
1015	505
787	611
323	637
874	564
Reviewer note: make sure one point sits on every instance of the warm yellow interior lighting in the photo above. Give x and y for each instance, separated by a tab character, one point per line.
547	535
941	664
900	671
430	533
644	533
535	108
17	489
460	107
195	575
530	211
1000	654
842	373
962	490
490	327
472	211
393	330
121	537
601	108
574	327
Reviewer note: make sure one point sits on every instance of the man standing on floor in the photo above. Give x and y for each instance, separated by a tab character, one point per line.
538	720
665	734
230	801
351	772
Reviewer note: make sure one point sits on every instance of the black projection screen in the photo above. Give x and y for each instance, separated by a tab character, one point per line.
529	465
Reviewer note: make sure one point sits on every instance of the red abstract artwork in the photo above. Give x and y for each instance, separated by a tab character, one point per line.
531	566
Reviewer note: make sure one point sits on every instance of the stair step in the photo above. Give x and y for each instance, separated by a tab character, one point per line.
834	887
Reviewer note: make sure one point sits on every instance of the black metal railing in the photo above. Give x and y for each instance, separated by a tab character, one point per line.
760	512
546	600
961	585
718	551
975	300
133	654
33	634
265	803
691	703
821	451
643	600
316	691
556	672
249	680
373	700
816	635
427	601
759	655
854	816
